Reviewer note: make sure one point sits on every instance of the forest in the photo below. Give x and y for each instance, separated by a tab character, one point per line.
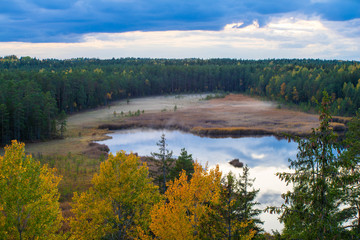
184	200
36	95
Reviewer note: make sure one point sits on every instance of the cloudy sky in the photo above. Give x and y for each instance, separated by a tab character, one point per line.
246	29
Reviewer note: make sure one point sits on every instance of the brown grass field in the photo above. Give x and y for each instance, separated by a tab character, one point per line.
235	115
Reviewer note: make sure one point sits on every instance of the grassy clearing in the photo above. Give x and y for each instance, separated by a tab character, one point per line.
76	171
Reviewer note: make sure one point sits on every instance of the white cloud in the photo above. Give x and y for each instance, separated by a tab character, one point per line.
258	156
281	38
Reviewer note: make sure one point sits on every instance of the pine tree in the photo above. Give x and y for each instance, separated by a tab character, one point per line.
184	162
4	124
61	122
350	175
164	161
246	195
311	210
234	215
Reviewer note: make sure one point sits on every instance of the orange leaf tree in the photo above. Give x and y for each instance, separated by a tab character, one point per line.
178	217
189	204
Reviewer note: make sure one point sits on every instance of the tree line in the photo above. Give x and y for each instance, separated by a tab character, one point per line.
34	92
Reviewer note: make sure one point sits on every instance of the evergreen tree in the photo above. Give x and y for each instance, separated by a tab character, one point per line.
246	195
4	124
350	175
234	215
61	122
49	111
164	161
311	210
184	162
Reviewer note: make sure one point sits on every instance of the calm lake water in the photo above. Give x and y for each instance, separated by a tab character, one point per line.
264	155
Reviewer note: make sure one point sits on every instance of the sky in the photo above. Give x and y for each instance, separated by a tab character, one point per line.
242	29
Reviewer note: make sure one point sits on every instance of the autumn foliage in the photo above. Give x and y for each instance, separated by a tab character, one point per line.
123	202
118	205
178	217
188	206
29	207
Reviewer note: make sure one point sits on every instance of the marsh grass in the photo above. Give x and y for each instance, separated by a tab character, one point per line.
76	171
215	96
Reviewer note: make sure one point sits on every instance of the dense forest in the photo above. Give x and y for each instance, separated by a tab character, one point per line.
35	94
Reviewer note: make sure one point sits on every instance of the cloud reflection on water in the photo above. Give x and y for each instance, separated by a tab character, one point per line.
264	155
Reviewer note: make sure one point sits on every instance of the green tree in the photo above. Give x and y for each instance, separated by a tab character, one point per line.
4	124
29	207
61	122
246	194
234	215
118	205
164	161
49	110
350	175
184	162
311	210
18	119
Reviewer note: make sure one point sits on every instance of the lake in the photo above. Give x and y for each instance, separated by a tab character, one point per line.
264	155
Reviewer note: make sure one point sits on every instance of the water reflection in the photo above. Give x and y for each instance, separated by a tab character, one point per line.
264	155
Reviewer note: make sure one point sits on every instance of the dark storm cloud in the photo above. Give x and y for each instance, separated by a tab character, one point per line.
66	21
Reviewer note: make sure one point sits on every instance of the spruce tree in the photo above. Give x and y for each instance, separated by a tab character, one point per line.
350	175
164	161
234	215
184	162
312	209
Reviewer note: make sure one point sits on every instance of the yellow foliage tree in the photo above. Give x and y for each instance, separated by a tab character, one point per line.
29	207
295	94
178	217
283	89
118	205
